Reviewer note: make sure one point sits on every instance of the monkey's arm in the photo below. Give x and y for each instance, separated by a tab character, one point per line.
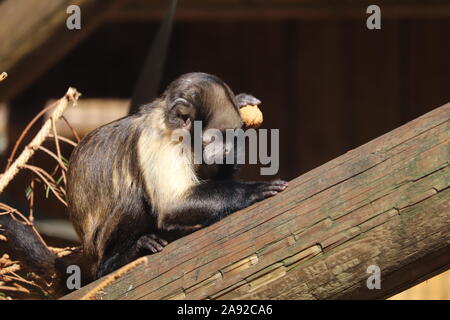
209	202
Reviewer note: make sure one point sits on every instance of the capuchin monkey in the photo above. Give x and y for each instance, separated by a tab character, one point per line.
131	191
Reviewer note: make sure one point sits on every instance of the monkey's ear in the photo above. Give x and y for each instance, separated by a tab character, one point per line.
181	114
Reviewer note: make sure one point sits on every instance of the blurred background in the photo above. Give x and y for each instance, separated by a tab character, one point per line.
326	81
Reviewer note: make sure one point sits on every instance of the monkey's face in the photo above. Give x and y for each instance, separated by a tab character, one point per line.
201	102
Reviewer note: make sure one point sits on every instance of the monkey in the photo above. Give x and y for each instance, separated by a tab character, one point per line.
130	190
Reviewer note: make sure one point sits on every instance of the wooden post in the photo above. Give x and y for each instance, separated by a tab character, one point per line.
384	204
34	36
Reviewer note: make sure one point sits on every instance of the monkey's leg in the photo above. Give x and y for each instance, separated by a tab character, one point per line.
212	201
146	243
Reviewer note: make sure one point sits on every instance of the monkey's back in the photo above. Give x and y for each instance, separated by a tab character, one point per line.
104	188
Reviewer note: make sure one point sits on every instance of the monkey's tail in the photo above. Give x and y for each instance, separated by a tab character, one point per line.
27	247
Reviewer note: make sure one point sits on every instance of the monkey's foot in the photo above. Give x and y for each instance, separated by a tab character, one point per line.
151	242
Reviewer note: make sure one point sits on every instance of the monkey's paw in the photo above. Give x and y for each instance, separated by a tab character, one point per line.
248	108
152	242
269	189
244	99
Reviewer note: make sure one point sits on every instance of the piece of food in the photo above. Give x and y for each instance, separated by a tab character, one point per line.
3	76
252	116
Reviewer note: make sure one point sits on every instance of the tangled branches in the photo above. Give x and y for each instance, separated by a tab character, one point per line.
54	182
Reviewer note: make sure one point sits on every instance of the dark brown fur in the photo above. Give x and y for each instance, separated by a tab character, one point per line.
130	189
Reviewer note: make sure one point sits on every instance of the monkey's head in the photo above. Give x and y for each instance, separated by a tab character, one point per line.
206	98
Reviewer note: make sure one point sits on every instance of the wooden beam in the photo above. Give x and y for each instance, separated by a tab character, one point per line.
256	10
34	36
386	203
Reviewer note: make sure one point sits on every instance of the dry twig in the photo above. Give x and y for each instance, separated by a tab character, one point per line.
10	280
71	96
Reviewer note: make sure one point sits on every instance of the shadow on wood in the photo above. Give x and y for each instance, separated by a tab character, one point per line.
385	203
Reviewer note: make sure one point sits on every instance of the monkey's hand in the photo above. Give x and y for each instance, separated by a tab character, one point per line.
265	190
248	108
152	243
244	99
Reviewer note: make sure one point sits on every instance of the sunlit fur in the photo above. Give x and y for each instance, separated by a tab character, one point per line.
130	179
130	173
132	188
139	152
167	176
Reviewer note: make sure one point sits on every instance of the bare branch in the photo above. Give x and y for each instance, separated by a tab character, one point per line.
72	95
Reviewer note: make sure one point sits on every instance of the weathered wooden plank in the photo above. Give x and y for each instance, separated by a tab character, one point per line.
392	244
385	203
